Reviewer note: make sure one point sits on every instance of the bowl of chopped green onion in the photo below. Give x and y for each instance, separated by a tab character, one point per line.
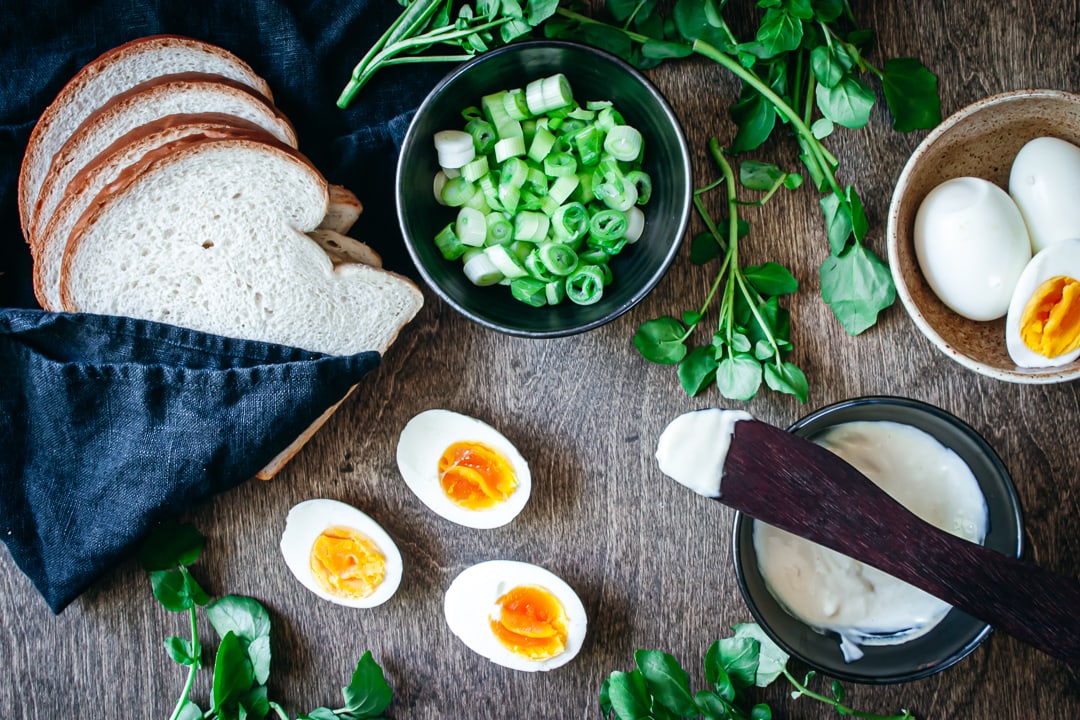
543	188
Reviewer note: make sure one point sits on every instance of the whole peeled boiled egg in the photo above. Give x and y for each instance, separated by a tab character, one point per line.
463	469
1045	183
971	244
1042	328
340	554
517	615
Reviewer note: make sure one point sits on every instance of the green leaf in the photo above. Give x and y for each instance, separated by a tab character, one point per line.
513	30
663	49
911	92
763	350
233	676
259	654
256	702
712	663
761	711
697	370
711	706
537	11
771	659
771	279
857	286
691	318
738	377
778	33
739	657
859	224
368	694
862	39
822	128
183	652
837	221
667	681
775	322
320	713
838	691
787	378
757	175
243	616
190	711
169	545
826	66
848	103
607	38
793	181
740	343
629	695
703	248
755	117
801	9
661	341
177	590
827	10
605	699
620	10
690	18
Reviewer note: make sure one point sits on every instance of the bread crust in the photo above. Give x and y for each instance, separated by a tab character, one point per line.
146	93
37	144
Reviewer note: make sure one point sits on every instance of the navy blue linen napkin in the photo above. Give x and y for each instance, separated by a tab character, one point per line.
109	424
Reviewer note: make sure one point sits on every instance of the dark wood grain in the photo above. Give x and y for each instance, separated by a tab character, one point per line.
650	560
793	484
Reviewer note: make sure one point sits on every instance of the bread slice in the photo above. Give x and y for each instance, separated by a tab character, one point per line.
163	96
208	234
48	246
108	75
344	211
344	249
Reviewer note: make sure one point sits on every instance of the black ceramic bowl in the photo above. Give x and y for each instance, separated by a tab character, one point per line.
593	75
958	634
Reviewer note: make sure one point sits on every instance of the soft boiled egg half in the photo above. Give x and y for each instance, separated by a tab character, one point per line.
1042	328
340	554
517	615
463	469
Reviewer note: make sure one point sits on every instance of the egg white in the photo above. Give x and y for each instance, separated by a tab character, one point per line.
471	598
1045	183
1061	258
307	520
423	441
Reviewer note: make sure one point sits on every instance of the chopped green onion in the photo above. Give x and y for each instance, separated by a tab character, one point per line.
537	269
623	143
483	135
560	164
555	291
448	243
472	113
478	202
529	291
471	227
562	188
437	186
521	249
457	191
643	183
531	226
605	273
499	229
509	147
608	118
475	170
616	194
558	258
454	148
509	197
585	285
635	224
506	263
537	182
542	143
481	271
556	91
588	143
608	225
593	256
597	105
514	172
570	222
515	105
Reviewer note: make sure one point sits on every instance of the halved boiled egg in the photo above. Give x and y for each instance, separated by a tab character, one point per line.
463	469
1042	328
517	615
340	554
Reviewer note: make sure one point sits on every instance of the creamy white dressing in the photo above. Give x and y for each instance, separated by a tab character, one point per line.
693	447
865	606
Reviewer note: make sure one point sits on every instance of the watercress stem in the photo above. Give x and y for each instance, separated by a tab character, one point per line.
192	670
840	707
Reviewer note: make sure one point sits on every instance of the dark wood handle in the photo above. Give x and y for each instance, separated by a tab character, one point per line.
795	485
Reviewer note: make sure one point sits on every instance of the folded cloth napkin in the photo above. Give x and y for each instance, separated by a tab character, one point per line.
110	424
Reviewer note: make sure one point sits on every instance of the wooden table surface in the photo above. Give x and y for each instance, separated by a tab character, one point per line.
650	560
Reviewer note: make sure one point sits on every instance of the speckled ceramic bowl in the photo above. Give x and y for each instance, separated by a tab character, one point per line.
981	140
958	634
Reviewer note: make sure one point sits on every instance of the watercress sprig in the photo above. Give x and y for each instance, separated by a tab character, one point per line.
752	336
802	67
659	688
474	28
242	662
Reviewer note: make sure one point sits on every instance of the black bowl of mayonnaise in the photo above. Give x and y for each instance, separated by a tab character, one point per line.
853	621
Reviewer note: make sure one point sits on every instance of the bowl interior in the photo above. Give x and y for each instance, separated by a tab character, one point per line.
958	634
593	75
981	141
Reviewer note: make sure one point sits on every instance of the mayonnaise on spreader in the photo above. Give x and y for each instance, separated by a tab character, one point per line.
824	589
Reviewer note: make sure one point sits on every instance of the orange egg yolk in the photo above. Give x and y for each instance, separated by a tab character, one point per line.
347	563
1050	323
476	476
530	622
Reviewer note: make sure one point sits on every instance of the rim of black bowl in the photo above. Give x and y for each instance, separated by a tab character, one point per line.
917	673
684	218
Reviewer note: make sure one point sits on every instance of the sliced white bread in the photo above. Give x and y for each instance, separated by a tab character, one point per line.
112	73
48	246
344	249
209	234
344	211
155	99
